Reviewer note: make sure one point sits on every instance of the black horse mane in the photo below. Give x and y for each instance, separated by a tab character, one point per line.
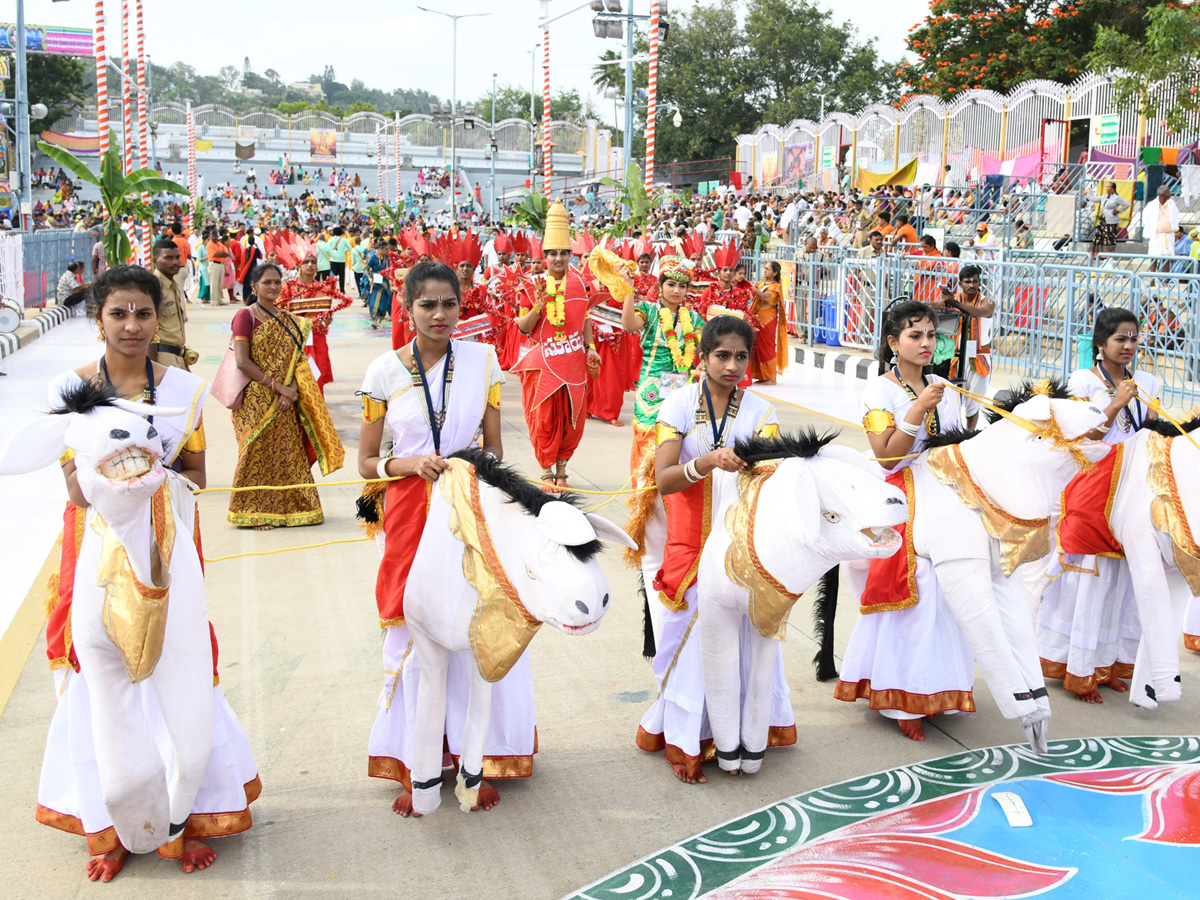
1028	389
805	443
1168	429
529	497
82	398
948	438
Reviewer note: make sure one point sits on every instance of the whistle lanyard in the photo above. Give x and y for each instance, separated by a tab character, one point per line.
718	432
1134	417
933	421
150	388
436	418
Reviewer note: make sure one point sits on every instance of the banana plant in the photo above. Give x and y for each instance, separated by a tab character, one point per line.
634	200
118	192
529	212
391	216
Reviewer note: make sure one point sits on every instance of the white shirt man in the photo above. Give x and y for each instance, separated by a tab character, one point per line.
1160	221
742	216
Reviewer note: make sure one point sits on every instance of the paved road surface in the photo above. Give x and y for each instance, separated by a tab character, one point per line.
300	665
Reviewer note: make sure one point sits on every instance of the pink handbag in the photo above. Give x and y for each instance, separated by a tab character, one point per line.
229	384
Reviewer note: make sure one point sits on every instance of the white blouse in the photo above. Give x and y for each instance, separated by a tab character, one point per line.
685	414
390	390
884	403
1089	386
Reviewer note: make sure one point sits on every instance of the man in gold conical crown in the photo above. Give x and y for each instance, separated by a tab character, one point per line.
554	373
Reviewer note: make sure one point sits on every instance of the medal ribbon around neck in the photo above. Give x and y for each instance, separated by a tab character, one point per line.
436	418
718	432
1132	418
933	421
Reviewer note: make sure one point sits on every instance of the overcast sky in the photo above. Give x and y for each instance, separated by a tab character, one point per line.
391	43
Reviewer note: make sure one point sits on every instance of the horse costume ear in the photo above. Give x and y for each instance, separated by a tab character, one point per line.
1035	409
564	524
607	531
36	445
145	409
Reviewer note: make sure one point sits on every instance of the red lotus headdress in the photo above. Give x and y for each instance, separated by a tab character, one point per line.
534	244
502	243
520	244
644	247
727	256
692	243
582	244
626	250
415	241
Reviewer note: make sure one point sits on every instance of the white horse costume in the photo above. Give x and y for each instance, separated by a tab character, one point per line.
497	558
983	509
137	558
1154	518
776	530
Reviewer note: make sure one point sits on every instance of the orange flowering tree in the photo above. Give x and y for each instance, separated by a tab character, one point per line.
997	44
1168	56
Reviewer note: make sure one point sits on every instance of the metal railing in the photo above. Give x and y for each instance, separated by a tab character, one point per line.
1044	315
45	255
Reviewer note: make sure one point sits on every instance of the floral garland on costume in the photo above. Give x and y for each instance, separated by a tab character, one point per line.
681	358
556	304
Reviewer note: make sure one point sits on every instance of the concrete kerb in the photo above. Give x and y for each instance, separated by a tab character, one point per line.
34	327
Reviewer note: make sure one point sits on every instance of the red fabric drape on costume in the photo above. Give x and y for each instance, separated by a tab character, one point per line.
406	508
551	432
1086	504
892	580
689	519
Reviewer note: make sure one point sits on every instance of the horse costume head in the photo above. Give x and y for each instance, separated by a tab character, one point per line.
118	453
838	507
1039	431
558	580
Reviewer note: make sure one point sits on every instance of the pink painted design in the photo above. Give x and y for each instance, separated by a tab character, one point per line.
1172	803
898	856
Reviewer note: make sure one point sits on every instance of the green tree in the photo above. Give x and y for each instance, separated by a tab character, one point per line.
608	74
807	55
1171	47
119	193
56	81
995	44
513	103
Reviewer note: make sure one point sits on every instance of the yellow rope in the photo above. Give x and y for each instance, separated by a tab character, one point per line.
320	484
213	559
1155	405
616	494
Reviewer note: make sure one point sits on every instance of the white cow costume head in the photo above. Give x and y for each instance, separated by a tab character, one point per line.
118	453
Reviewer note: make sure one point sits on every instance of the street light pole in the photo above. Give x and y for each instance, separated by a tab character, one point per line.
22	161
453	99
628	144
492	148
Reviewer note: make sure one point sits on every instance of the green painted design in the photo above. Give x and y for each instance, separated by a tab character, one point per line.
710	860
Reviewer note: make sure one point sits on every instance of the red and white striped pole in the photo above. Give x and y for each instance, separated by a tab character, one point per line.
101	79
143	127
547	162
127	144
396	153
191	173
652	101
126	94
379	163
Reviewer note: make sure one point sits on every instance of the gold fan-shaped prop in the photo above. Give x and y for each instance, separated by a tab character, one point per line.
607	266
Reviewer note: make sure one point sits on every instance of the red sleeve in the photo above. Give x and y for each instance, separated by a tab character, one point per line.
243	323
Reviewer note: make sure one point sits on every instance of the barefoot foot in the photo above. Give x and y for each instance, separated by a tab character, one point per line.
1120	685
196	855
488	796
560	482
403	806
1092	696
106	867
914	729
616	422
680	772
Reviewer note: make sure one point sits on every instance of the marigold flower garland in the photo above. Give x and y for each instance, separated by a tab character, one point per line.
682	359
556	301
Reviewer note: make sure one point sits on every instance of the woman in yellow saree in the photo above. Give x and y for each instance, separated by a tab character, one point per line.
283	425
